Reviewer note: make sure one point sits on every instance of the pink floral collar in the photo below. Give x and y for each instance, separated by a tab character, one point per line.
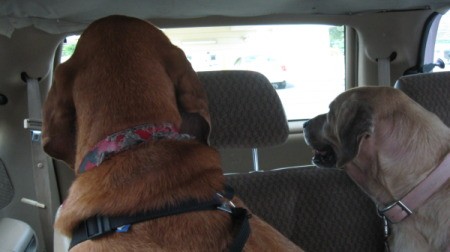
125	139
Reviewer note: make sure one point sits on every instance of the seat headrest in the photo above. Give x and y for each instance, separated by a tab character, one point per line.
245	110
430	90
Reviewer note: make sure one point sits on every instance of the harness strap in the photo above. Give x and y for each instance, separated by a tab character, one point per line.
98	226
240	220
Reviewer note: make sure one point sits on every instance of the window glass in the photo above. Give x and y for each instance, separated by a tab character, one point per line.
304	63
68	47
442	43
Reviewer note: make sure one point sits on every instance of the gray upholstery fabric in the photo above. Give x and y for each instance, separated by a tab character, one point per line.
431	90
318	209
245	109
6	188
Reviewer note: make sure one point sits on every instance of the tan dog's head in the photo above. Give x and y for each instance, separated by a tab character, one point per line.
380	136
124	72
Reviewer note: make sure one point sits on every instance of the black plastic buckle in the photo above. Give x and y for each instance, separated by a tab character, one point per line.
97	226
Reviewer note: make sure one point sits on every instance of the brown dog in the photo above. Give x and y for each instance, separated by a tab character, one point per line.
127	83
388	144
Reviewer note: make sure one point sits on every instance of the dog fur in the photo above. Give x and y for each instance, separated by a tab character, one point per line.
125	72
388	143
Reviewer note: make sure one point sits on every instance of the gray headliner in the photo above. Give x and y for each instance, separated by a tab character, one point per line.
61	16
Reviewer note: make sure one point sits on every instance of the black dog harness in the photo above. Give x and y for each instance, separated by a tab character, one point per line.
98	226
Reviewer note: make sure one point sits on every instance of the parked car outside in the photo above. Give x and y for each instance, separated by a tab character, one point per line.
269	66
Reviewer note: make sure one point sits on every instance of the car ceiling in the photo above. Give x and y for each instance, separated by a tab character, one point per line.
63	16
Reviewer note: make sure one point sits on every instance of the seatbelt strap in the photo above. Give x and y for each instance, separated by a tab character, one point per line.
384	70
47	198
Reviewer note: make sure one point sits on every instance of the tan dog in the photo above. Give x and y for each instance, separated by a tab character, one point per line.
126	73
389	144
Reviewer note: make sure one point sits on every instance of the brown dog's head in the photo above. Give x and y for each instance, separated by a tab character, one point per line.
124	72
377	134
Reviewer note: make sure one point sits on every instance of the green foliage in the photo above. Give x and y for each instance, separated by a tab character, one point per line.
337	37
68	50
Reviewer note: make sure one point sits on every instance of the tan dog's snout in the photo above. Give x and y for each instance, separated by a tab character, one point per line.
324	155
336	136
312	129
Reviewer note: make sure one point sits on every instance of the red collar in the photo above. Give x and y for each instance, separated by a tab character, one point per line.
125	139
399	210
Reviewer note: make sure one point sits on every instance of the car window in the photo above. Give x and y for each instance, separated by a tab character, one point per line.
304	63
440	36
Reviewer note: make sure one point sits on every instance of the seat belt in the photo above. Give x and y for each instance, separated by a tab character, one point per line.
384	70
47	198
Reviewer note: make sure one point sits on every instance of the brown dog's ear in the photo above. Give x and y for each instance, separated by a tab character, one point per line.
58	127
353	124
195	125
191	97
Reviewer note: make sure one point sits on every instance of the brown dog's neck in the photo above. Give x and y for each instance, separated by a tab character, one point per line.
144	178
126	139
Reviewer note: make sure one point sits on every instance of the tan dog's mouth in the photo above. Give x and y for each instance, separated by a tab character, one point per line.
325	157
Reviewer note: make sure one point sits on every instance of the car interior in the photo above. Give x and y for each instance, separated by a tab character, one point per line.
322	48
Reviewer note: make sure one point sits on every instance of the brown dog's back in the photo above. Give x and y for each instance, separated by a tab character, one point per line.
124	73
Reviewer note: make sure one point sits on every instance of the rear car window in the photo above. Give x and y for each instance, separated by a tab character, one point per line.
442	43
304	63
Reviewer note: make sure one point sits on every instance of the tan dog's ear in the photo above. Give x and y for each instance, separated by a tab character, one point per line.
353	124
191	97
58	129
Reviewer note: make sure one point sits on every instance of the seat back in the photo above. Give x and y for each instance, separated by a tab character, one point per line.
246	112
318	209
245	109
16	235
431	90
6	188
